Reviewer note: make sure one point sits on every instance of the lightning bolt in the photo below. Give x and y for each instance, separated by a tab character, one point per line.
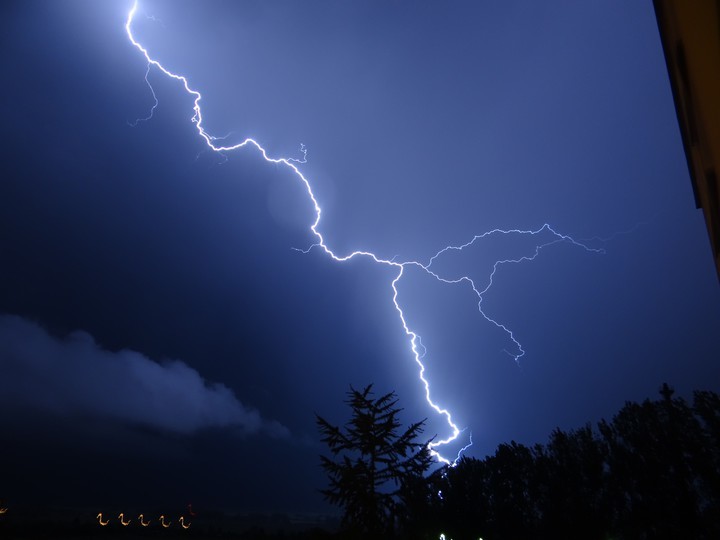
414	340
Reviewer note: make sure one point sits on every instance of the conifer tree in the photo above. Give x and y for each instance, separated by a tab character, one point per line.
372	460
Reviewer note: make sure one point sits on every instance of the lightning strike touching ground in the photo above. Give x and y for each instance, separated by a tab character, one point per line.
414	340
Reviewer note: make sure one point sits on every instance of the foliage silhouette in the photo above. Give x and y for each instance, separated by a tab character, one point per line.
653	472
376	469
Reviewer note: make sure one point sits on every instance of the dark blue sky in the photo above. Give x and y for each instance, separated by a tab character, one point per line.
160	340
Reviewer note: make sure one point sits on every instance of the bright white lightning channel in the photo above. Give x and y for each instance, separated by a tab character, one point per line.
416	346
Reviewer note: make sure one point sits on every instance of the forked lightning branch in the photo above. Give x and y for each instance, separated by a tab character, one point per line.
414	341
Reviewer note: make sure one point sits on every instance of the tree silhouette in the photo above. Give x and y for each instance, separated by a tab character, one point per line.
652	472
373	463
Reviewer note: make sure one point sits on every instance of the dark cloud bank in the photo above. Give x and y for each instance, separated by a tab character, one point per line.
75	376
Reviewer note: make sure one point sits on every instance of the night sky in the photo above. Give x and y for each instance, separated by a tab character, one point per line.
161	340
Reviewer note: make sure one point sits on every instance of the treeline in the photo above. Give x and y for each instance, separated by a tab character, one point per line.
653	472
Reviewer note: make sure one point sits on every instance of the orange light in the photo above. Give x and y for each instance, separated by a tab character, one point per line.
182	523
100	521
142	521
121	517
162	522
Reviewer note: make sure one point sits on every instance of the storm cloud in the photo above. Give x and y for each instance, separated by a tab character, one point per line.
75	376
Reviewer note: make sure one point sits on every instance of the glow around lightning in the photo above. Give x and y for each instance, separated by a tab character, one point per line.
414	340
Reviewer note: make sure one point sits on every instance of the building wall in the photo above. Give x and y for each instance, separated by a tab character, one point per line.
690	33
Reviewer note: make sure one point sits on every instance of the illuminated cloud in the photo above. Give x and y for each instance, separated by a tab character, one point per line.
75	376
